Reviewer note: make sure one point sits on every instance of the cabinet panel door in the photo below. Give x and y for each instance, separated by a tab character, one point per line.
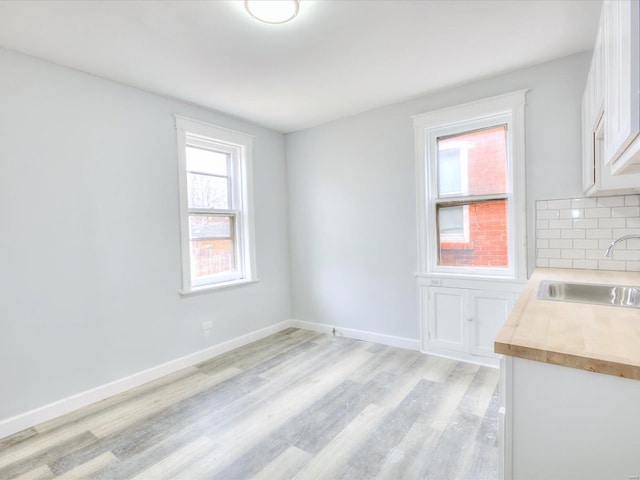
622	106
446	318
489	311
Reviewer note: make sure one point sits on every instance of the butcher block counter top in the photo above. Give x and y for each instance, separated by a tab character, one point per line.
596	338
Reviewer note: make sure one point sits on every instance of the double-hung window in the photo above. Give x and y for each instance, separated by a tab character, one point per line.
215	206
470	161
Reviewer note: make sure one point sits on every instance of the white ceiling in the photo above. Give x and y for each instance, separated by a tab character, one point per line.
337	58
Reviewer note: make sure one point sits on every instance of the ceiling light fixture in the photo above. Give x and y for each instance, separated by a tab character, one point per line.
272	11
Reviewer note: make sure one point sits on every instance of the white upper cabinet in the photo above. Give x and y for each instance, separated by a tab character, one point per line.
611	104
621	69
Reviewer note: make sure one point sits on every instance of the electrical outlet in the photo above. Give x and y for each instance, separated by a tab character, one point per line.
207	325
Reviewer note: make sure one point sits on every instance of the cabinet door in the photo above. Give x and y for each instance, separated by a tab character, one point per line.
622	101
446	318
489	310
592	105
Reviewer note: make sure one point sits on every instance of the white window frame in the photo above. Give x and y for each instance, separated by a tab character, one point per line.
507	109
238	146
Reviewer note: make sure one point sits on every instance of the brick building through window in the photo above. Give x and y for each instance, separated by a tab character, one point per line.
473	233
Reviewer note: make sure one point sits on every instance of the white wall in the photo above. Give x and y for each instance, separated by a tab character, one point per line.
89	247
352	196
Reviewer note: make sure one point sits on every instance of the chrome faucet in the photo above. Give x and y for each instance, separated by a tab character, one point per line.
617	241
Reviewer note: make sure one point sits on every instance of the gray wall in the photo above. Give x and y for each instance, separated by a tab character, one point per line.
352	196
89	249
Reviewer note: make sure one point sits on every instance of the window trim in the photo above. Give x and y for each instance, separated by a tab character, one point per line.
239	147
502	109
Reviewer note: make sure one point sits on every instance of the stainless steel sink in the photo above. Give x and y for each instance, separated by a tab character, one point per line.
613	295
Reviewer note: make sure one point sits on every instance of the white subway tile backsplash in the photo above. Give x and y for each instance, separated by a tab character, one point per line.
633	222
585	223
633	255
625	211
560	263
632	200
633	266
584	203
548	214
586	264
611	265
598	212
611	201
563	223
619	232
558	203
612	223
594	254
572	213
548	233
590	243
603	244
574	233
542	224
560	243
633	243
579	254
598	233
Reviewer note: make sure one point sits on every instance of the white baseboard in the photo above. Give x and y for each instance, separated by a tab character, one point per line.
493	362
12	425
400	342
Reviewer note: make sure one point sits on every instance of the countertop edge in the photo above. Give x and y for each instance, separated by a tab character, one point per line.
508	343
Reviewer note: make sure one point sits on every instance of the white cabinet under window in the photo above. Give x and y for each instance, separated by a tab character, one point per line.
462	322
471	249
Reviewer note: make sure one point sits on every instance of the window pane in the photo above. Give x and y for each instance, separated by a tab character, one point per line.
473	163
450	172
211	257
484	239
451	221
207	161
208	192
206	226
212	245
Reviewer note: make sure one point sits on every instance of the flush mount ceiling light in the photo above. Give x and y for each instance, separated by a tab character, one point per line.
272	11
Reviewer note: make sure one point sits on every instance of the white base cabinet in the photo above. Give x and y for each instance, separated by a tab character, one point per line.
565	423
463	321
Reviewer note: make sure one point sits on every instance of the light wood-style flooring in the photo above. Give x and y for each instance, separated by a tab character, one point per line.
296	404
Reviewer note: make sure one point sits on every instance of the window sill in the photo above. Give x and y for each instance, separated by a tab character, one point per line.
217	286
468	276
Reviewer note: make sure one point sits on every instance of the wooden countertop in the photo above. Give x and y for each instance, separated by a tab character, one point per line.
596	338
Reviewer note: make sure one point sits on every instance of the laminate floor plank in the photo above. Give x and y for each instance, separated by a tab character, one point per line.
95	409
91	468
370	458
43	472
19	437
285	466
297	404
451	454
261	424
332	459
45	455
